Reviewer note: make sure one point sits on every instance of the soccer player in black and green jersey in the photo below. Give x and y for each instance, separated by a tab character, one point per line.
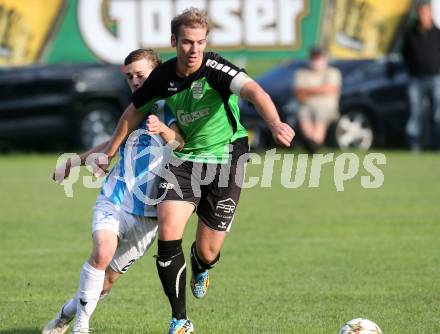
201	89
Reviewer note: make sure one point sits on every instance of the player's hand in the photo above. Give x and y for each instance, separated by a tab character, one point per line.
282	133
100	164
62	171
154	125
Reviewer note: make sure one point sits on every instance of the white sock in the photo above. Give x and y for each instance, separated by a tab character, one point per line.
69	309
91	283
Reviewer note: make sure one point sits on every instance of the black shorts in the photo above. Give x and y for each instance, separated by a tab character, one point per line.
214	189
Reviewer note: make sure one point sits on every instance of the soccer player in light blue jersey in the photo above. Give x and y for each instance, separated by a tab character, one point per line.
125	220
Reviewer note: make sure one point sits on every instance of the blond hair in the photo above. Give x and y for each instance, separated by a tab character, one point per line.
190	17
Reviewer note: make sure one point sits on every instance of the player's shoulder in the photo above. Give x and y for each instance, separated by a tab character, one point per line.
167	67
217	66
335	74
333	70
212	55
163	111
303	71
168	63
157	107
213	60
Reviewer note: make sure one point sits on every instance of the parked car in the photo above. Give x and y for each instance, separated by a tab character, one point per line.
77	104
374	107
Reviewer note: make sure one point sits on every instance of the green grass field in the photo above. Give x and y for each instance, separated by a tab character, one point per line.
297	260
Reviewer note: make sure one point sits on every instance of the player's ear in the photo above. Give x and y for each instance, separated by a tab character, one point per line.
173	40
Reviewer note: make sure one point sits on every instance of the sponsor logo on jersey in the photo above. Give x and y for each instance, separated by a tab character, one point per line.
226	205
185	118
172	88
197	90
221	67
166	185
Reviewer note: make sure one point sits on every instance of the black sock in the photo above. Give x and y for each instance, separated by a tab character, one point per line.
198	266
170	263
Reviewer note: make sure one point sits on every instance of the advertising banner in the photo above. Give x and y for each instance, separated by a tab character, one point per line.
54	31
365	28
25	28
107	30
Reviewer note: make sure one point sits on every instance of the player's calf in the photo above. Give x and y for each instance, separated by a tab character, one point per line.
171	267
90	287
199	273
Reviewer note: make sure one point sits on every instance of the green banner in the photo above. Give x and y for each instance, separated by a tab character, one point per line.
107	30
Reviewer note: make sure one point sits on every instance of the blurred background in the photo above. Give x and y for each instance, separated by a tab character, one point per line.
60	76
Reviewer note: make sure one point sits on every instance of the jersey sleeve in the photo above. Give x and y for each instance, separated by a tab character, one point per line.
221	72
146	96
168	115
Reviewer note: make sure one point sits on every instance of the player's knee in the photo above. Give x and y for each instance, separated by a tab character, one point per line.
101	258
166	231
208	254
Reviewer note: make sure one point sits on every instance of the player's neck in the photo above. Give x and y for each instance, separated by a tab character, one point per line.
185	71
425	27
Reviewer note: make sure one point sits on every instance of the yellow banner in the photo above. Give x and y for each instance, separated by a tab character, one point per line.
25	26
364	28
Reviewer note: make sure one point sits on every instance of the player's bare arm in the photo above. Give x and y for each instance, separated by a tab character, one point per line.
281	132
128	122
62	171
171	135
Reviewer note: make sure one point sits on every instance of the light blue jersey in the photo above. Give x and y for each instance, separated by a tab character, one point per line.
132	183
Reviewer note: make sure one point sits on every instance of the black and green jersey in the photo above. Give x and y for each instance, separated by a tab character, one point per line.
206	110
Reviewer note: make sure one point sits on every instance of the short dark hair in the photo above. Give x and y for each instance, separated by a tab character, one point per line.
316	51
423	3
191	17
148	54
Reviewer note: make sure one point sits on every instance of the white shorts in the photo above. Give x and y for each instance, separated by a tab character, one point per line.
136	233
323	115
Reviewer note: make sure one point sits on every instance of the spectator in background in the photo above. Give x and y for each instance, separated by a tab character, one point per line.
421	53
317	89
